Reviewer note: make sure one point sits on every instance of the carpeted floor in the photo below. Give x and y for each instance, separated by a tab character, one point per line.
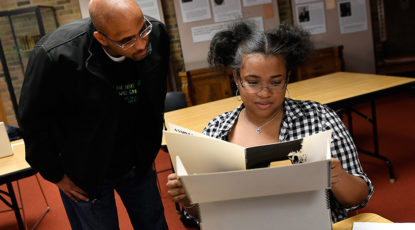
395	201
396	128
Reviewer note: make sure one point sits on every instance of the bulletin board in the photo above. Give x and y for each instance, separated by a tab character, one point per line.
195	48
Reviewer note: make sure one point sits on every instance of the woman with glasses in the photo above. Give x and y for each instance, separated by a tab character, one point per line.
262	63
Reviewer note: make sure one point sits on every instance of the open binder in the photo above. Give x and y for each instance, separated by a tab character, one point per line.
217	175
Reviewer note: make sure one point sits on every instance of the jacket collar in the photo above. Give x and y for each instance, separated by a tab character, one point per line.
94	62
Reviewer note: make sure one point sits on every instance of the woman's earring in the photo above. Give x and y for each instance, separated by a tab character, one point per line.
237	94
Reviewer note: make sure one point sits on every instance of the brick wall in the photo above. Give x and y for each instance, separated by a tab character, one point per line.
285	13
175	45
66	10
27	34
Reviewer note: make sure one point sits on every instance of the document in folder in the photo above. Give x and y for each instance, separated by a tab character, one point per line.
383	226
203	154
216	174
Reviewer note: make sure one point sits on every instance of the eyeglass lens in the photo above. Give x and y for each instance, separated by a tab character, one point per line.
256	88
144	32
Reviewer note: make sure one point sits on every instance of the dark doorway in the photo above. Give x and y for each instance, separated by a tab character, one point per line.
394	35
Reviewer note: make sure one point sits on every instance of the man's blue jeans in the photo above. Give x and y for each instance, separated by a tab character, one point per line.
139	195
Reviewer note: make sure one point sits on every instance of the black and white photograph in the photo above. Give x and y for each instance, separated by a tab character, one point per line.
311	17
352	16
345	9
304	15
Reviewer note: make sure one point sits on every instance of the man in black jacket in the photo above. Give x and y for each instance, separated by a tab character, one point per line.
91	111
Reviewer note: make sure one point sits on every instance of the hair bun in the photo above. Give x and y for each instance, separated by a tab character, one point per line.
225	43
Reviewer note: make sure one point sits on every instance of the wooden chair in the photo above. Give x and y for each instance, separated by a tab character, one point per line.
205	85
321	62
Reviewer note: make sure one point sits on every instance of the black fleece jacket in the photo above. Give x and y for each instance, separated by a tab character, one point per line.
68	108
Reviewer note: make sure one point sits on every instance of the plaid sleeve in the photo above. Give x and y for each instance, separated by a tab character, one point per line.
344	149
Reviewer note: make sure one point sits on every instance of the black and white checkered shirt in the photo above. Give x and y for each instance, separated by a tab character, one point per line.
301	119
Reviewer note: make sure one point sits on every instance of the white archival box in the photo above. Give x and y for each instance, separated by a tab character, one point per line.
231	197
5	146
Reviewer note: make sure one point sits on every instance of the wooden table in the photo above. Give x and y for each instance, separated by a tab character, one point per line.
12	168
347	224
15	162
337	90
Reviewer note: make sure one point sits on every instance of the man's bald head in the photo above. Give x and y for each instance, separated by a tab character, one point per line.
106	12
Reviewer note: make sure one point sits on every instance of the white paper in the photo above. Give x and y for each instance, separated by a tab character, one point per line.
226	10
294	211
204	154
259	198
182	130
195	10
180	170
197	155
383	226
267	181
311	17
206	32
317	144
352	16
150	8
5	146
255	2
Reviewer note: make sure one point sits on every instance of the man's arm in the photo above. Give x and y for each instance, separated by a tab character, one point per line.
37	116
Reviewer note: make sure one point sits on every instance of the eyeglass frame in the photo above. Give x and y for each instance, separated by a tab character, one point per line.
269	86
133	38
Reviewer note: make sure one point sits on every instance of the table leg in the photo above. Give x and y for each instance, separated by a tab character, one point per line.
373	121
15	205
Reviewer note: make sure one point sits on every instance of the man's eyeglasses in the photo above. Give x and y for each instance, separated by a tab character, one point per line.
255	87
129	42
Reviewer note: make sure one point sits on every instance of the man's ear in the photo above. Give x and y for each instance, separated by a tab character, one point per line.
100	38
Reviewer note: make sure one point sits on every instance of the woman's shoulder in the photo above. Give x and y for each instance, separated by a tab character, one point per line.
222	124
307	108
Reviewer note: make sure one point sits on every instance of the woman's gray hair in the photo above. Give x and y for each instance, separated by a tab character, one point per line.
228	47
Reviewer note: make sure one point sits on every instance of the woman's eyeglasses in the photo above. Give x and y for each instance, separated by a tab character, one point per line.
255	87
130	41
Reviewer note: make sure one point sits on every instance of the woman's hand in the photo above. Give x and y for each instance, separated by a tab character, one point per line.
175	189
349	190
337	172
177	194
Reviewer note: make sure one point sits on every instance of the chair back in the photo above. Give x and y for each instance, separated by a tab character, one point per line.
206	85
174	100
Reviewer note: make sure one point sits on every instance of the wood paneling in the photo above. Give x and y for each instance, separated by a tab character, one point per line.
321	62
205	85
